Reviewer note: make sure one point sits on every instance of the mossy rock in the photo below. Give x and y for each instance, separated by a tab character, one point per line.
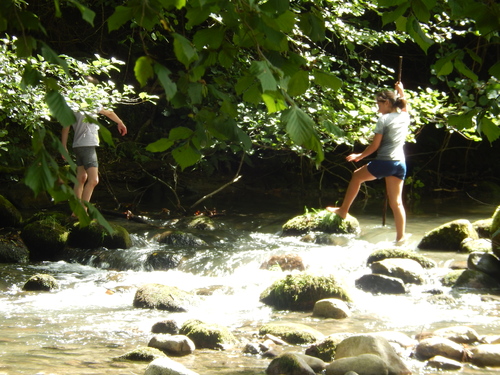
382	254
483	227
12	248
325	349
41	282
292	333
9	214
495	221
201	223
290	363
448	236
476	280
451	277
143	354
321	221
205	335
163	297
45	239
179	238
95	235
300	292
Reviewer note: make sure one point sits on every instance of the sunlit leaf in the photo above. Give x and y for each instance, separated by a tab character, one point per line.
121	15
298	84
160	145
489	129
143	70
186	155
59	108
184	51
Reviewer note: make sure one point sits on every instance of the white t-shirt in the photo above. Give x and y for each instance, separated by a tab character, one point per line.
394	129
86	134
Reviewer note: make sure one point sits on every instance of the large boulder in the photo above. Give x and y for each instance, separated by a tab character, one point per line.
358	345
442	346
485	355
363	364
484	262
41	282
476	280
300	292
12	248
163	297
45	239
495	232
459	334
321	221
9	215
206	335
95	236
292	333
448	236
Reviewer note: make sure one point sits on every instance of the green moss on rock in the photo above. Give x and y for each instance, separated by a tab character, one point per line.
41	282
300	292
143	354
205	335
382	254
45	239
95	235
448	236
292	333
321	221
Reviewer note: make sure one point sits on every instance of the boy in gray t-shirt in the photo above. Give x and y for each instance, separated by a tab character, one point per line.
85	141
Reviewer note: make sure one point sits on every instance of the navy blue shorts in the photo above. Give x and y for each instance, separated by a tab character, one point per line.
86	156
385	168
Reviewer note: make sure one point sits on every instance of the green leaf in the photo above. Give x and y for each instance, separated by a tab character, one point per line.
184	51
210	38
94	213
327	80
489	129
298	84
143	70
262	71
388	17
178	4
160	145
444	66
31	77
495	70
186	155
300	128
121	15
54	58
274	101
25	45
59	108
312	26
163	76
462	68
462	121
87	14
106	135
40	176
180	132
420	10
417	34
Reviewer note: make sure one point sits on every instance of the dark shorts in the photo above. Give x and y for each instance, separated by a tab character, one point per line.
385	168
86	157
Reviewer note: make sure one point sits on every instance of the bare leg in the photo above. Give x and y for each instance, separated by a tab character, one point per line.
394	187
81	178
92	181
358	177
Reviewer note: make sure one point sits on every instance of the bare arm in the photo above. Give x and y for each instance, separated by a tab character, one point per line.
372	147
122	129
400	89
64	137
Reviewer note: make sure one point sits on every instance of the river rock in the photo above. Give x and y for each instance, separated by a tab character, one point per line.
495	221
358	345
482	245
299	292
163	297
375	283
486	355
286	262
9	214
483	227
397	252
363	364
178	345
179	238
95	236
436	345
448	236
290	364
41	282
408	270
325	349
292	333
166	326
442	363
167	366
45	239
471	279
321	221
206	335
162	261
12	248
484	262
458	334
142	354
331	308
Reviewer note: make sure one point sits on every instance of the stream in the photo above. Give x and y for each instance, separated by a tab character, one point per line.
83	326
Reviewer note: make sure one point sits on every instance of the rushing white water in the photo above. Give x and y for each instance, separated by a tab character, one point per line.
90	320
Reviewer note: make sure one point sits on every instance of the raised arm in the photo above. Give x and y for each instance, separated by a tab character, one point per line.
122	129
400	90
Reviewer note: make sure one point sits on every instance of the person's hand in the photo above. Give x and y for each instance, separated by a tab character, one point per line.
353	157
399	88
122	129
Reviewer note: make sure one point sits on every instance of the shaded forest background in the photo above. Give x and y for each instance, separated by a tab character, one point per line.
441	162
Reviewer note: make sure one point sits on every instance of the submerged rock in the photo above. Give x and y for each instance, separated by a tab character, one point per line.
163	297
301	291
376	283
448	236
286	262
143	354
292	333
321	221
179	238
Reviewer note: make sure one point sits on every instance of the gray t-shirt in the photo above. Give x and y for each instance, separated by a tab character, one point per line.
394	129
86	134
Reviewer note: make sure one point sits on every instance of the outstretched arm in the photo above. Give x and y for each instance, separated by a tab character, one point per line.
370	149
122	129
